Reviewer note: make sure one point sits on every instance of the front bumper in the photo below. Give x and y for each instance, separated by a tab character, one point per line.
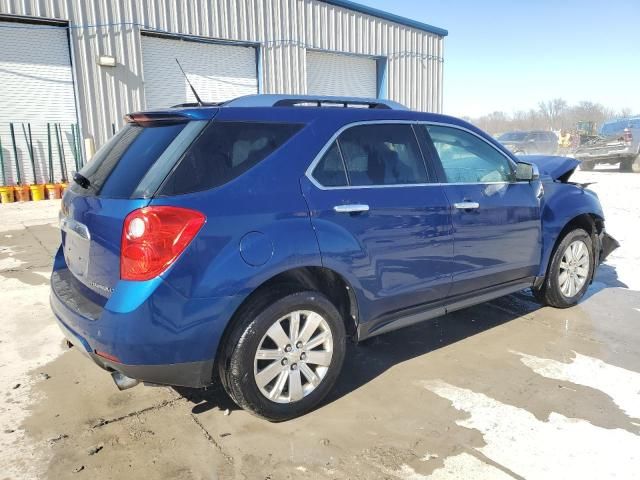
607	245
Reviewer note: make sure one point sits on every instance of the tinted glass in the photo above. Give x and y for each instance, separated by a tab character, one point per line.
224	151
382	154
330	170
117	168
466	158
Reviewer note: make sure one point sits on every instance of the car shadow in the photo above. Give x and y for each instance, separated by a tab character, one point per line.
367	360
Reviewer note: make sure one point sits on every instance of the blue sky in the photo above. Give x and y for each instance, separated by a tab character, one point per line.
510	54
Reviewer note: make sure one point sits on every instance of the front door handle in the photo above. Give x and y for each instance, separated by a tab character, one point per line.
466	205
351	208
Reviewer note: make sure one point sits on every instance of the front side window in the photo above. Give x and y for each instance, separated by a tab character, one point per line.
466	158
224	151
382	154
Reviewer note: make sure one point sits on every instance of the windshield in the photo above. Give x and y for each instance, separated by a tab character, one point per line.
512	137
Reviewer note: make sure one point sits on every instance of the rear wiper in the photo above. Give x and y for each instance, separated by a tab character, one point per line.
81	180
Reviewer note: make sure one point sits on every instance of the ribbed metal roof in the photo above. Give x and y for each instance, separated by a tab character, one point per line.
388	16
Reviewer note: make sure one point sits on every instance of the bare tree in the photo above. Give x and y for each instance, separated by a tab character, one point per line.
551	110
554	114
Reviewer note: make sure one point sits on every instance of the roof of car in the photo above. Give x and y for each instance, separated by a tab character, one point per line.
306	108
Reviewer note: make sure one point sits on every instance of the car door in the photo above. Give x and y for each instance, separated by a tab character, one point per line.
496	220
381	220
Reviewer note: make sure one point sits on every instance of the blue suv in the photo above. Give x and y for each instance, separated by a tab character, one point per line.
245	242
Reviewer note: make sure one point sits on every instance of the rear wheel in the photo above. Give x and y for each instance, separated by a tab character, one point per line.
570	271
586	165
284	358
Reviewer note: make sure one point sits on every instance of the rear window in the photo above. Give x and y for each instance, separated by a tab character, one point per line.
119	166
224	151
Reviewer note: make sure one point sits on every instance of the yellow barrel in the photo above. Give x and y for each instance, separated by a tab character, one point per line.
37	192
6	194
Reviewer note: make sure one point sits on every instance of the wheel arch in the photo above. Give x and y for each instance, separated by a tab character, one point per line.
324	280
592	223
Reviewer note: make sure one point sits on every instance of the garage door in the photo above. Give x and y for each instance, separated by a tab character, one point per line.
218	72
346	75
36	87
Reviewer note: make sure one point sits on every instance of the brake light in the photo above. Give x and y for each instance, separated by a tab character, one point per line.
153	237
628	136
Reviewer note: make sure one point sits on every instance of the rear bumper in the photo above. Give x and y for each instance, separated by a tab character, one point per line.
611	156
145	330
187	374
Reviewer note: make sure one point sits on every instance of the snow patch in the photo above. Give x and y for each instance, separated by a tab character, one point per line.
535	449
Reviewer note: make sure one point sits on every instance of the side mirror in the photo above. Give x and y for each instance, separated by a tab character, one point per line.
526	172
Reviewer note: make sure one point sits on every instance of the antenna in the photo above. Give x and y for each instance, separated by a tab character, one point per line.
191	86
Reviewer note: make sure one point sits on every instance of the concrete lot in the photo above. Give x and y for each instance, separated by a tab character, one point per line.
499	391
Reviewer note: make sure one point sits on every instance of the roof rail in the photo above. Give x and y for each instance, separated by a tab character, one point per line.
273	100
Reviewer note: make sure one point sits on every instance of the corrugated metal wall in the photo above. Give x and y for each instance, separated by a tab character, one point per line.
283	28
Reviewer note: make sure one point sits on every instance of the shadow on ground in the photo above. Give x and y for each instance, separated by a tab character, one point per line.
369	359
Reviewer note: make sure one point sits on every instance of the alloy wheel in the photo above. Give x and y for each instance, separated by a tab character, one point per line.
574	268
293	356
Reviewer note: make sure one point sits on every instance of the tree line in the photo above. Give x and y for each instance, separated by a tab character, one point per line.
555	114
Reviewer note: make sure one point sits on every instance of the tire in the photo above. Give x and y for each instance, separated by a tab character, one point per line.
554	291
586	165
281	397
626	164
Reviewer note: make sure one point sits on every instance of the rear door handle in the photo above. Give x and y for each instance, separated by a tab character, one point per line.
351	208
466	205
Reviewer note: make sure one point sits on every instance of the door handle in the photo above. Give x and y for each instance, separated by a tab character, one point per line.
351	208
466	205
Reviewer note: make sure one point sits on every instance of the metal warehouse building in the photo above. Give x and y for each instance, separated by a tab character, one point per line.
89	62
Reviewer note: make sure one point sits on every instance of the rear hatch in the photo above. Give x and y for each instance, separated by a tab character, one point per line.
122	176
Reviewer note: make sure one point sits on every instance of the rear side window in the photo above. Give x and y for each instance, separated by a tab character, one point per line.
224	151
117	168
330	170
382	154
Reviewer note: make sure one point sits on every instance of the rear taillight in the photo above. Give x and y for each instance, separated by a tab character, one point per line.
153	237
627	135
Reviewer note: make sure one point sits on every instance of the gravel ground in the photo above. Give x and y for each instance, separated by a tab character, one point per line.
499	391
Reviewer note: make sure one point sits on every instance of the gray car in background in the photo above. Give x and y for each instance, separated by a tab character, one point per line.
530	142
617	141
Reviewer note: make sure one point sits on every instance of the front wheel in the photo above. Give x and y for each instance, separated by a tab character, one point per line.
570	271
285	358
